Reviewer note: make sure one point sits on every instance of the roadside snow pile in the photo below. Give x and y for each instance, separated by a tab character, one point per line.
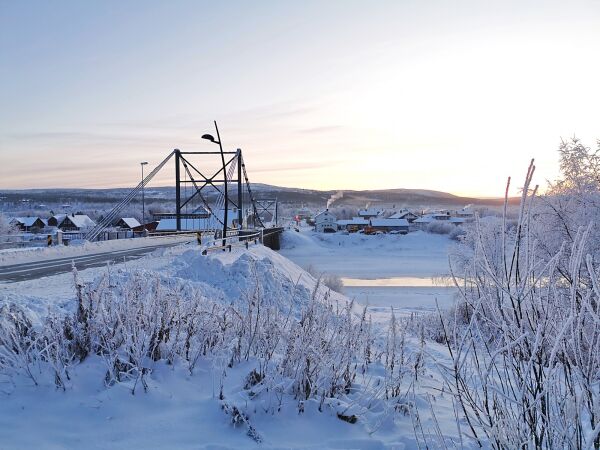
236	274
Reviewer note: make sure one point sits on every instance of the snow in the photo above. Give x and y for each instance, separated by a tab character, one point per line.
182	410
355	256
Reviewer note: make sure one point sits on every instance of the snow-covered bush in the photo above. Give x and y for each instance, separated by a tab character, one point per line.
329	280
439	227
525	368
457	234
6	229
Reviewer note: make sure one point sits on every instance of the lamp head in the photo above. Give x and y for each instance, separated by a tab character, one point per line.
209	137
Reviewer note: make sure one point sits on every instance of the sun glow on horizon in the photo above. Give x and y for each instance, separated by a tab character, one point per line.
445	97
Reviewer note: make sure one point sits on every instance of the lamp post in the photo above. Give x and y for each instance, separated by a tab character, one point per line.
218	141
143	163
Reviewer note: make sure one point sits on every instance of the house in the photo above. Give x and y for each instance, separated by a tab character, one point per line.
441	215
369	213
387	225
325	222
127	223
76	222
422	222
404	214
55	220
466	213
28	223
352	225
150	226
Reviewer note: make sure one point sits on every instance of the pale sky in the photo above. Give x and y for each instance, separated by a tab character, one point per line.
452	96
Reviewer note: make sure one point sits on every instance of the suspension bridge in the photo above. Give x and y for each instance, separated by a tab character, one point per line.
222	201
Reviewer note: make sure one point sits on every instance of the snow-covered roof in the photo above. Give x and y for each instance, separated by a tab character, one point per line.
389	223
324	213
401	215
25	221
130	222
425	219
354	221
369	212
80	221
457	220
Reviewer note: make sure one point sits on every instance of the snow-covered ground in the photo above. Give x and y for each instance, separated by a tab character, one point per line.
182	410
383	271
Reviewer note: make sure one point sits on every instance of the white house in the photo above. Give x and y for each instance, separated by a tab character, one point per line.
76	222
466	213
325	222
368	213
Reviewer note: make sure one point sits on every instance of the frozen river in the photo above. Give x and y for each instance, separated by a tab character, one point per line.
405	273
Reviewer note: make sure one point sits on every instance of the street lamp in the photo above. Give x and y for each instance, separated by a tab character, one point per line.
209	137
143	163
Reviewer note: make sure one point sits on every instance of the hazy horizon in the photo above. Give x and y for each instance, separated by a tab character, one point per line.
445	96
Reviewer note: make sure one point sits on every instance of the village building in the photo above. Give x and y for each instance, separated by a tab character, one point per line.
325	222
56	219
150	226
352	225
466	213
409	216
388	225
127	223
422	222
77	222
32	224
369	213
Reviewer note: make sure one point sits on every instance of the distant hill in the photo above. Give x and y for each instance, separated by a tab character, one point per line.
398	197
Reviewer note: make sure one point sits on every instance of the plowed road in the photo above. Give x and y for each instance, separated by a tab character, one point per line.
44	268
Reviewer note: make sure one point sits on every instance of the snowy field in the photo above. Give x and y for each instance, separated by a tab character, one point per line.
384	271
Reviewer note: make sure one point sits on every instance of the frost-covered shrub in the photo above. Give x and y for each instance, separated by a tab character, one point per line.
525	366
457	234
439	227
131	321
6	229
329	280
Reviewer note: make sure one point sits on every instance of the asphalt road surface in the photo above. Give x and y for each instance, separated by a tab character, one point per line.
49	267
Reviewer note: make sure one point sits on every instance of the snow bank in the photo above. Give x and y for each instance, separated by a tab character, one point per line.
25	255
